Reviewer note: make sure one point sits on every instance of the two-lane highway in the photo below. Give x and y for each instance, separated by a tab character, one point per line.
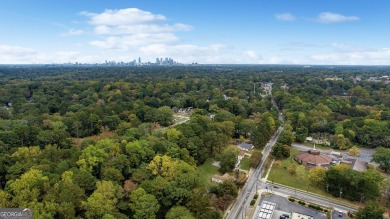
320	200
249	190
253	183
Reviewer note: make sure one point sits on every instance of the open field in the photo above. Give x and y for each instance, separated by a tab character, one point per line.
279	174
245	163
206	171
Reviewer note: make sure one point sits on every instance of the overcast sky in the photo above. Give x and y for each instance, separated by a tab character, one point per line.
230	31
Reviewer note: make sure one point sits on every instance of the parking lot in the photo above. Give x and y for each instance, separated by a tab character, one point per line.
282	204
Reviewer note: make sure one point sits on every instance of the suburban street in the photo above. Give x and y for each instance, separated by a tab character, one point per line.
254	183
319	200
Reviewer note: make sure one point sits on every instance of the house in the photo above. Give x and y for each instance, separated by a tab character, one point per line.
241	155
284	87
221	179
245	146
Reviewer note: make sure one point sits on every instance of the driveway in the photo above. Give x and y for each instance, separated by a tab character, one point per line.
336	215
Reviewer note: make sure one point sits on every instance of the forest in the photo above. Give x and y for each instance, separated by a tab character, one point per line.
102	142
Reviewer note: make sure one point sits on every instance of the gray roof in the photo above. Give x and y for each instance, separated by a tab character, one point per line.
246	146
360	165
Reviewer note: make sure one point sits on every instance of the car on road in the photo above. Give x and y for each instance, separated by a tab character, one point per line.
340	214
284	216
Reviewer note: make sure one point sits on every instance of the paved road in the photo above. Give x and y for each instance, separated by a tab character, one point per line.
254	183
320	200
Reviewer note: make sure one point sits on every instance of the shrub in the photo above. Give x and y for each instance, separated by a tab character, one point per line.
301	202
291	199
256	196
316	207
253	202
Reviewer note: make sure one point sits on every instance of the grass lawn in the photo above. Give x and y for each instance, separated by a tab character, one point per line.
279	174
245	163
206	171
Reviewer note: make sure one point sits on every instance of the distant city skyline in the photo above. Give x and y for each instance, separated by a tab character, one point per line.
335	32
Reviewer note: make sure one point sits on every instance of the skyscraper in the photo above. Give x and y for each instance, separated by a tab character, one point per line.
139	60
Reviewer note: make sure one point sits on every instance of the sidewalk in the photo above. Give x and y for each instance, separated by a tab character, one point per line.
252	210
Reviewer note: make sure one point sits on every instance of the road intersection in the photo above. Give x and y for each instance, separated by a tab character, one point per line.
254	185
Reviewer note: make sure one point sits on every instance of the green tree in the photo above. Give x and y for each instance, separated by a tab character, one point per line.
382	157
143	205
91	157
165	115
354	151
316	175
102	201
173	135
353	184
67	194
255	158
168	168
281	151
227	187
5	199
342	142
139	152
287	136
301	133
372	210
179	212
228	159
200	203
28	188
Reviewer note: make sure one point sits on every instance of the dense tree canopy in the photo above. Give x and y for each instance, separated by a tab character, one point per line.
98	142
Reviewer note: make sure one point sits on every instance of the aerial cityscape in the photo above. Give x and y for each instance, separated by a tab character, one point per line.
186	110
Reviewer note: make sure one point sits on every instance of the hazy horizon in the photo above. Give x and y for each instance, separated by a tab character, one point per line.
229	32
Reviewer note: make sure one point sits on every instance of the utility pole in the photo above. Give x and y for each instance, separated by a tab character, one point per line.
341	191
327	191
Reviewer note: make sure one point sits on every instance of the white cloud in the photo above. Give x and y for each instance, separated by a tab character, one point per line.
250	54
127	16
21	55
132	28
140	28
352	56
185	53
73	32
330	17
285	17
15	54
134	41
6	49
